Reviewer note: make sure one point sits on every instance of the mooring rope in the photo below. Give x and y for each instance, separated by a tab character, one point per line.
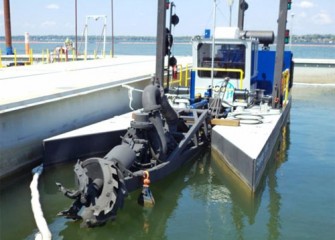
44	232
249	118
130	94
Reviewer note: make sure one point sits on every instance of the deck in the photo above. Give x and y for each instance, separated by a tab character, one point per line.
247	149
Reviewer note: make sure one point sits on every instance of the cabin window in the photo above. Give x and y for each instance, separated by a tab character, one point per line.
230	57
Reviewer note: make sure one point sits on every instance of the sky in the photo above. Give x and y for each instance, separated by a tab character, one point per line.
138	17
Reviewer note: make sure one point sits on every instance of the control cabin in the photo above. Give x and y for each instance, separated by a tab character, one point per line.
236	55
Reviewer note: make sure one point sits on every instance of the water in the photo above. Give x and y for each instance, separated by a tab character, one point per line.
296	199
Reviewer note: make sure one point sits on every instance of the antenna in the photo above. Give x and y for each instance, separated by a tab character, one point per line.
230	4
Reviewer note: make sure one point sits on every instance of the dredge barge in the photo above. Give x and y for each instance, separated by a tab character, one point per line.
238	100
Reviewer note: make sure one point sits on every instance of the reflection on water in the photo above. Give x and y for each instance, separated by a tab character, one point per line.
245	204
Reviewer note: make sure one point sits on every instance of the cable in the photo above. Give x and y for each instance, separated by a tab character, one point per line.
130	94
248	118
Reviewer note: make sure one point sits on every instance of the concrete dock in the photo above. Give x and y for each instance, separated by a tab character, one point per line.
314	75
43	100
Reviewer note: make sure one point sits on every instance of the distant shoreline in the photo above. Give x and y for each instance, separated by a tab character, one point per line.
151	42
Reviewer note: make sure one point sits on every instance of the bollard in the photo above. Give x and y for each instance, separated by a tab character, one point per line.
15	61
48	56
30	56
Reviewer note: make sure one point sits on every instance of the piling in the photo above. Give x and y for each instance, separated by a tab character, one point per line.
8	32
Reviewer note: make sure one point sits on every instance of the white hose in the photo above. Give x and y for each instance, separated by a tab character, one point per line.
44	232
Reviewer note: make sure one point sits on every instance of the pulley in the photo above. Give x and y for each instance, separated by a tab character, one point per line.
174	19
172	61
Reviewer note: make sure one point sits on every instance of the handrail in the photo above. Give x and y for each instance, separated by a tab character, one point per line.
224	70
187	75
180	73
47	56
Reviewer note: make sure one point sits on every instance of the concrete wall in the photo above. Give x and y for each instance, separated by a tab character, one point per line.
23	129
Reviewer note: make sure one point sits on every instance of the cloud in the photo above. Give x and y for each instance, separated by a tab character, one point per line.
1	12
302	15
306	4
48	23
322	18
52	6
29	25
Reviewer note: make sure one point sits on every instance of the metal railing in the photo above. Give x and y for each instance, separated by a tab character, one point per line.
228	70
45	57
183	75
